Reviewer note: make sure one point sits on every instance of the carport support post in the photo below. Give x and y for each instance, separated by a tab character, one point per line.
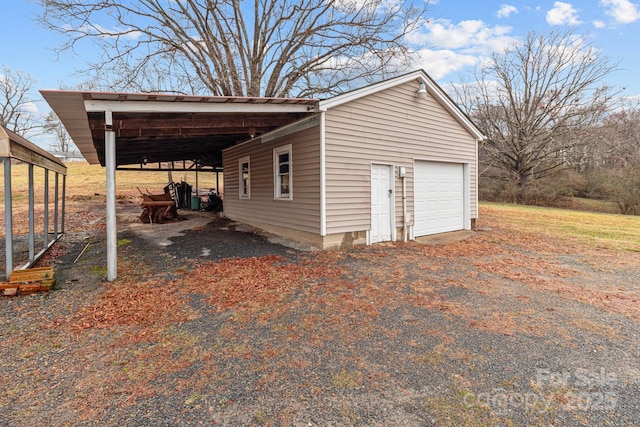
32	237
64	203
8	217
197	187
110	164
45	233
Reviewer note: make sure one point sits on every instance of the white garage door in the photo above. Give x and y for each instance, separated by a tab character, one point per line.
439	197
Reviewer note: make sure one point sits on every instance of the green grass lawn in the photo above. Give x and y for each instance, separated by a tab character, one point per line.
610	230
85	180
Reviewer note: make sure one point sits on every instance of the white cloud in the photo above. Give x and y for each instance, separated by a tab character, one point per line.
439	63
506	10
29	107
470	37
622	11
562	14
599	24
444	47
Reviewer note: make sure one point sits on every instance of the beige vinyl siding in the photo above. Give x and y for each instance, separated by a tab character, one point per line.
389	127
303	211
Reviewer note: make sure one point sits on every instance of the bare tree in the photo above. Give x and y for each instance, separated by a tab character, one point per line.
16	103
620	146
535	102
615	165
53	126
231	47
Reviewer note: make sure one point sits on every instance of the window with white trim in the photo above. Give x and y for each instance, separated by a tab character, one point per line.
245	177
282	173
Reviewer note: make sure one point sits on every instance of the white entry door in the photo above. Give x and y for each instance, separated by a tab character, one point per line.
438	197
381	202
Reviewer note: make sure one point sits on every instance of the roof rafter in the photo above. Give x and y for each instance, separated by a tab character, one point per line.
158	127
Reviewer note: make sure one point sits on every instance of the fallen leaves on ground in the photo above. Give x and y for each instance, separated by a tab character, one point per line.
312	301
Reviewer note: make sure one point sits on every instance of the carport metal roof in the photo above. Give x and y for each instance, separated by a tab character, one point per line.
151	128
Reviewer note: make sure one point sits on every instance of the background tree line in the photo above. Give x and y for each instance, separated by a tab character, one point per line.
554	129
607	169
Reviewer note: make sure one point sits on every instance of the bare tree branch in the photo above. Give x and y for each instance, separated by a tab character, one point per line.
53	126
16	103
537	101
231	47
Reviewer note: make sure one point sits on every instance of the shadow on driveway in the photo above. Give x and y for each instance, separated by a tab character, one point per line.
203	236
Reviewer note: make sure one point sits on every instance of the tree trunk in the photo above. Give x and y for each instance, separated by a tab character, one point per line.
523	185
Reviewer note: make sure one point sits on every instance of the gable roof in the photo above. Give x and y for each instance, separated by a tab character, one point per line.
418	76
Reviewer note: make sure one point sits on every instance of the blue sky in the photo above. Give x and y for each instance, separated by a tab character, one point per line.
458	36
462	32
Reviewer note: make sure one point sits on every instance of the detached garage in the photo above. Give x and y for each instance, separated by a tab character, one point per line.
388	162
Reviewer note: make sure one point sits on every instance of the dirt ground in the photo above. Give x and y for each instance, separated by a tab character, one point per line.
218	325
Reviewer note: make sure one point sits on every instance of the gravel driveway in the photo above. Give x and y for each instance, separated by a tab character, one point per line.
501	328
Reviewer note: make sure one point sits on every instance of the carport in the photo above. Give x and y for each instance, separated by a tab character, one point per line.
125	130
14	147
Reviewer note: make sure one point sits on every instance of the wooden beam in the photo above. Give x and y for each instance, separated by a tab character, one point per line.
192	107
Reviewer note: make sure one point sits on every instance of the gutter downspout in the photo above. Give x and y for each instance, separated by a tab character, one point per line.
323	177
404	208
